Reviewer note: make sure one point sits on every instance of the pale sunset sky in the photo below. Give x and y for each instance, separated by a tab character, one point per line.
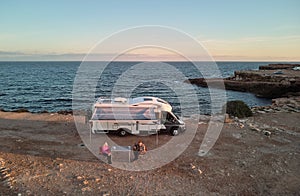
230	30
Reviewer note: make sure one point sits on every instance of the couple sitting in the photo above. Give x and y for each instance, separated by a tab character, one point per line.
138	149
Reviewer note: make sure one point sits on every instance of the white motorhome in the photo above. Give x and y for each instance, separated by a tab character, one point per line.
141	115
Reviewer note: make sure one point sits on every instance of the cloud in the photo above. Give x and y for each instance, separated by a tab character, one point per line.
8	53
255	58
18	55
255	48
277	48
244	40
23	56
133	55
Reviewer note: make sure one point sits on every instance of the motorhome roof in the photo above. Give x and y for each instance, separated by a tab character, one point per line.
165	106
153	99
125	106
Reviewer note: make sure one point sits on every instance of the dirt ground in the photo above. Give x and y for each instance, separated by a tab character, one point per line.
42	154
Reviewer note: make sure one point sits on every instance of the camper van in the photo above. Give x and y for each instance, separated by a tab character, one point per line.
141	115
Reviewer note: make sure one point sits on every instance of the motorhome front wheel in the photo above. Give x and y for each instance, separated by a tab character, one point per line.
174	131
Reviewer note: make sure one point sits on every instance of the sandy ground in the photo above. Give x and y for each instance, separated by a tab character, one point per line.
41	154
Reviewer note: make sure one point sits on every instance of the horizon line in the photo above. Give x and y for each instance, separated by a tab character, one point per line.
297	61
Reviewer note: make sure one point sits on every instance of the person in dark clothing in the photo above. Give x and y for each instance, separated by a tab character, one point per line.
139	148
136	151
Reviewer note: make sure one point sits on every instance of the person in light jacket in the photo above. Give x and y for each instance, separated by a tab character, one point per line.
105	151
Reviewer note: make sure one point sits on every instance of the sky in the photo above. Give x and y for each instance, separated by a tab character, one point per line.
230	30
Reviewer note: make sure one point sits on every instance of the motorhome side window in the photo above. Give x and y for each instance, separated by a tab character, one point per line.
164	117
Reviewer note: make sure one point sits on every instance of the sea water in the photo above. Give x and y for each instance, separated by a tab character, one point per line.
48	86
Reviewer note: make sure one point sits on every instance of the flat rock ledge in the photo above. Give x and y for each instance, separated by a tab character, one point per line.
266	82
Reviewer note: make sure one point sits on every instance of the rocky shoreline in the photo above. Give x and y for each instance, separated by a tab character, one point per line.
271	81
290	104
287	106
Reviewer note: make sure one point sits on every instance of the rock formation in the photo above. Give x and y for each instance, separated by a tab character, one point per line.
266	82
278	66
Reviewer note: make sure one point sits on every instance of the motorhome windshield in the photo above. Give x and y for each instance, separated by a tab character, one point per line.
169	117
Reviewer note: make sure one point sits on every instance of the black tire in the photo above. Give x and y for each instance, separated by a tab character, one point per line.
174	131
122	132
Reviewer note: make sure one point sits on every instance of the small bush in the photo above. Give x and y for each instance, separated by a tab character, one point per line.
238	109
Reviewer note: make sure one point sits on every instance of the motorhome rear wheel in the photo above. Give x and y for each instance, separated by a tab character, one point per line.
122	132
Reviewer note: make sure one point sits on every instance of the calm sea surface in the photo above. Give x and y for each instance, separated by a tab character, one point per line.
48	86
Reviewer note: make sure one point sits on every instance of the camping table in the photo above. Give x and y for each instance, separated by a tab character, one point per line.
122	149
